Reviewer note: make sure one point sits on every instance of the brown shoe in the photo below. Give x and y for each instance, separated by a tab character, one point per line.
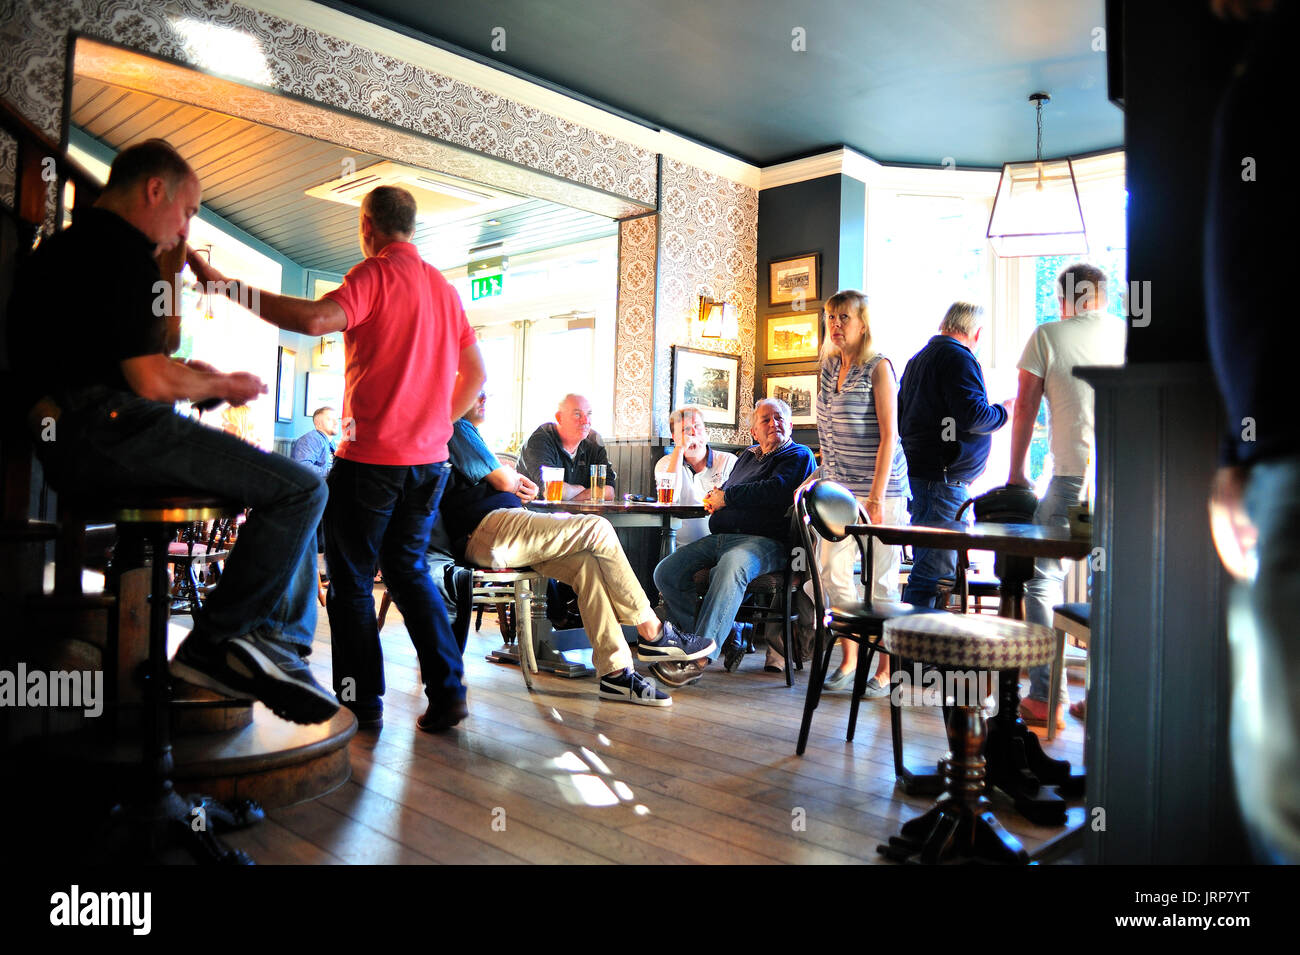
1034	712
442	715
1080	710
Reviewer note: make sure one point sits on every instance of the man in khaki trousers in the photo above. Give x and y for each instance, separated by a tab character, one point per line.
482	509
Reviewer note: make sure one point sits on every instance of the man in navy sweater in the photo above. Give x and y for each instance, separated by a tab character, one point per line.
749	536
944	419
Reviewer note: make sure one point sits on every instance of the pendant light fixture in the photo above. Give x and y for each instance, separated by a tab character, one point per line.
1036	210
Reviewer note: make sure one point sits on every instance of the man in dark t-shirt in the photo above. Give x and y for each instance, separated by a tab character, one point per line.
93	384
484	515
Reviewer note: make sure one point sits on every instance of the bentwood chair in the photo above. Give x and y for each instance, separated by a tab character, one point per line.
823	510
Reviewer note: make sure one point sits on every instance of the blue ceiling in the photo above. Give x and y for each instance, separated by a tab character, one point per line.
909	81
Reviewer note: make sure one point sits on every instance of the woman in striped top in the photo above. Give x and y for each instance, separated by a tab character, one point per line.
857	426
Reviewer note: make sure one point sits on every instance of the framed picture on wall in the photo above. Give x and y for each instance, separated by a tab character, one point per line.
799	392
794	337
795	280
323	388
284	385
708	380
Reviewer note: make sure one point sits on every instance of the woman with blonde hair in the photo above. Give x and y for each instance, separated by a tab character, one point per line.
857	426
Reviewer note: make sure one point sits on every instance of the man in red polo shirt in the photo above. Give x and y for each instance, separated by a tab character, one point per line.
412	368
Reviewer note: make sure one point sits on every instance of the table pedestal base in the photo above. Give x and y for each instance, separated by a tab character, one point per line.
960	827
549	660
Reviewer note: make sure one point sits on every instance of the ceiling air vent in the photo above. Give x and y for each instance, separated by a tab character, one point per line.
436	196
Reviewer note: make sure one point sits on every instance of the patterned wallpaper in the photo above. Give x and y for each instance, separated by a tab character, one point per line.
323	69
708	245
8	165
634	340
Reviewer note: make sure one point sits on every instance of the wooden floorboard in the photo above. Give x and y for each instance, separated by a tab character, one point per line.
558	776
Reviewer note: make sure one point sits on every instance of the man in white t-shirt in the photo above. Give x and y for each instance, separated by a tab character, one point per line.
1085	335
696	467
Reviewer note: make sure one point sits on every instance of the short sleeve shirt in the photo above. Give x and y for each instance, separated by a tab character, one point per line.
89	298
1052	353
404	335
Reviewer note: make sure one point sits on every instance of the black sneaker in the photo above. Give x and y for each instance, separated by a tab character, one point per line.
631	687
203	663
678	675
280	678
674	645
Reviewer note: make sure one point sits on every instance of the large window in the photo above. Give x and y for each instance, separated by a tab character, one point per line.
927	247
550	333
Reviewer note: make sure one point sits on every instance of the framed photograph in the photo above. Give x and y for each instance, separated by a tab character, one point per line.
284	385
794	337
794	280
323	388
799	392
708	380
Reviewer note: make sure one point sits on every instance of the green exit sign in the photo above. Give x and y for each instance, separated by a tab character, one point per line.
485	286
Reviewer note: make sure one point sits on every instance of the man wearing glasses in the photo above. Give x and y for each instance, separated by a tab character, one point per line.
696	468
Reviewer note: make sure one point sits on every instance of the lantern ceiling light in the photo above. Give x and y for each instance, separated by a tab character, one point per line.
1036	210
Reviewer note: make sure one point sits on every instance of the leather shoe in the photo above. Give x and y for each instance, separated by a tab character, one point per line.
442	715
1034	713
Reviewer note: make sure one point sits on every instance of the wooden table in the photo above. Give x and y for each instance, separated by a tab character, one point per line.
1016	762
667	517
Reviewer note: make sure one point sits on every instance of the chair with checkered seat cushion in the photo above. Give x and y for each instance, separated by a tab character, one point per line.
960	824
825	509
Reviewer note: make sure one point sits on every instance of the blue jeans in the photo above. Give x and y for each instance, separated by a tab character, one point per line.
933	504
737	559
1046	590
1264	635
380	516
110	441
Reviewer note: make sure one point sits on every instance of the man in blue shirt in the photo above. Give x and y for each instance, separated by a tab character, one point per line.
945	420
315	449
749	536
484	515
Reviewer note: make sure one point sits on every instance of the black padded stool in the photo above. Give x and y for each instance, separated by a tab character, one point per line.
960	825
157	817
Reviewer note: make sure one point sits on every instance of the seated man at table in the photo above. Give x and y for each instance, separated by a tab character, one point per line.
748	518
696	468
570	444
483	511
101	376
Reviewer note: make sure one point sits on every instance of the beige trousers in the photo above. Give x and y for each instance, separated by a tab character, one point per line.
581	550
836	562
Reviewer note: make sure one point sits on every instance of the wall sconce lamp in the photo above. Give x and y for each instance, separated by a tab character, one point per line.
329	353
717	319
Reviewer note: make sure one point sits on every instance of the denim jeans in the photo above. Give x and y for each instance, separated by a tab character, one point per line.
737	559
933	504
1046	590
109	441
380	516
1264	635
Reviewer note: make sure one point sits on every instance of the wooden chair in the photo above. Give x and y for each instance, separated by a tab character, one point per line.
769	597
197	558
1068	620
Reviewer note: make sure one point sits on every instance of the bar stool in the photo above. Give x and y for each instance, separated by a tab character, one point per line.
1067	620
960	824
519	587
157	816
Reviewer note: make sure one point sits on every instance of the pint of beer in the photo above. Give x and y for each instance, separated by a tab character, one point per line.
553	482
666	485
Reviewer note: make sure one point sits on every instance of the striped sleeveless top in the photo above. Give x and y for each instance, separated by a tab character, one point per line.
849	432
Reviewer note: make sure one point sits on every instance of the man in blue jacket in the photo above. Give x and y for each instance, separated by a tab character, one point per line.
749	536
945	420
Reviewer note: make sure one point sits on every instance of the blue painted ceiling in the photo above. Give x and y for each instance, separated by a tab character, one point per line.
910	81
